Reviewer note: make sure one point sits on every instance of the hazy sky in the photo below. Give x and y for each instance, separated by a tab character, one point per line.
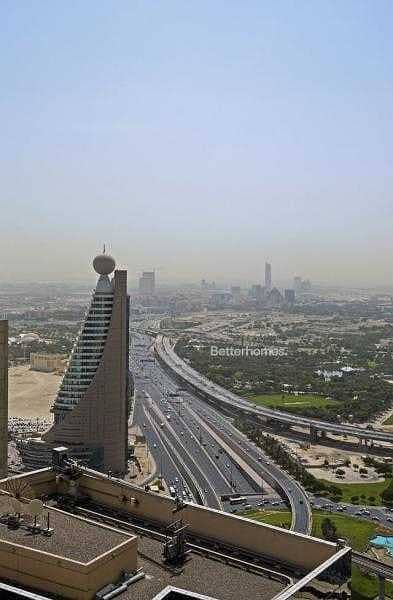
197	136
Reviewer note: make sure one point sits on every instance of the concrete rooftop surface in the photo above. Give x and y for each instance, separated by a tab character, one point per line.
72	538
198	574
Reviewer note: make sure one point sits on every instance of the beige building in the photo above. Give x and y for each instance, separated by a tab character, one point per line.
92	404
48	363
154	548
3	397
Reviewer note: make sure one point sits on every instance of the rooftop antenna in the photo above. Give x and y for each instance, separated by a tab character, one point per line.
104	249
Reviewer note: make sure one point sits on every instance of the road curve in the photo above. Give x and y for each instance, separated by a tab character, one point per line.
270	472
225	398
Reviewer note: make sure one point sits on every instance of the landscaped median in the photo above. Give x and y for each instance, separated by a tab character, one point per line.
357	532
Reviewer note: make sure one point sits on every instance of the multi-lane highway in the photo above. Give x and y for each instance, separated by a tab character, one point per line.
229	401
197	447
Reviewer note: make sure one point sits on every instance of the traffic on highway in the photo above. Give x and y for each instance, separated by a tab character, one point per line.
198	451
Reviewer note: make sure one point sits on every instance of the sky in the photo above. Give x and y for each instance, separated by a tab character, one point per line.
199	138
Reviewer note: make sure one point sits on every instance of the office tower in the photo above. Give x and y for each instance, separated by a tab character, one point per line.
268	276
289	296
147	283
3	398
256	292
91	407
297	283
236	294
274	298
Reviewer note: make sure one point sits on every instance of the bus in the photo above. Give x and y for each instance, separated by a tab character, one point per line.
239	500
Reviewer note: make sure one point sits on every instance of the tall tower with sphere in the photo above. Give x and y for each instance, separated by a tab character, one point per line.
91	407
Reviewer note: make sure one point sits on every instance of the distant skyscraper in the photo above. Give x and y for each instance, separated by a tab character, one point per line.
256	291
3	398
236	294
91	407
268	276
289	296
147	283
297	283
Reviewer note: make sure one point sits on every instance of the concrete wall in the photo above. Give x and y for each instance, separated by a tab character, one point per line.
41	482
299	550
3	398
67	578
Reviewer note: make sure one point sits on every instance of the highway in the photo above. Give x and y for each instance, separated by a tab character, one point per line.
233	403
221	459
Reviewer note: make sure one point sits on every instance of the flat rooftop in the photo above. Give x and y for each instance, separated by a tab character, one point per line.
73	537
200	574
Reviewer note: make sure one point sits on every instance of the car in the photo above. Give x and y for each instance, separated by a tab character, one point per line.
390	519
154	445
375	518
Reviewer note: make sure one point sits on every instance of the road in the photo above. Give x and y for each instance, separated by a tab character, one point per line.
222	460
231	402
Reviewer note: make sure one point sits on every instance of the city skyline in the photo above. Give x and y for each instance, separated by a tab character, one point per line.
198	137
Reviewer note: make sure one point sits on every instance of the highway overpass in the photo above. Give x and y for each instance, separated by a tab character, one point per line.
233	403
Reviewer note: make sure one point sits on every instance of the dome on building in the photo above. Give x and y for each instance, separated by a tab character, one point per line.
104	264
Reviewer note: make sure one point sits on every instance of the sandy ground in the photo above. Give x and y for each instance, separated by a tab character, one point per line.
313	458
31	393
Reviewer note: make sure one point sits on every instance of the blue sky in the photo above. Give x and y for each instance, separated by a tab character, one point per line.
199	137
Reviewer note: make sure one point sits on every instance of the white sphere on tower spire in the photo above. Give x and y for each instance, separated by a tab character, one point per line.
104	264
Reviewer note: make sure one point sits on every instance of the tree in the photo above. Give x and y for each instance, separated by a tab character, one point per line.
355	499
329	530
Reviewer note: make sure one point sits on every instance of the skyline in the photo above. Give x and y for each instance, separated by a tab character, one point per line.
201	140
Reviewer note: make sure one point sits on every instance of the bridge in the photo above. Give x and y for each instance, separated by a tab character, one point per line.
233	403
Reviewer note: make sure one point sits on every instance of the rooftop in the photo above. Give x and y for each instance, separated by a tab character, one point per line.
73	537
200	574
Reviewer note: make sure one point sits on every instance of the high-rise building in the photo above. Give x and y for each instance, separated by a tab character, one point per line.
289	296
236	294
91	407
256	291
268	275
147	283
3	398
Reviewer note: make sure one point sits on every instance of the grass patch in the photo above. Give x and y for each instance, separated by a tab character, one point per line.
279	518
356	531
359	489
291	402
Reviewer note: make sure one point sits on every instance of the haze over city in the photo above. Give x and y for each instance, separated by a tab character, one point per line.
199	138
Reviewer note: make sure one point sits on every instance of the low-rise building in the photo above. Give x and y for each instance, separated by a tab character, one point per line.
48	363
